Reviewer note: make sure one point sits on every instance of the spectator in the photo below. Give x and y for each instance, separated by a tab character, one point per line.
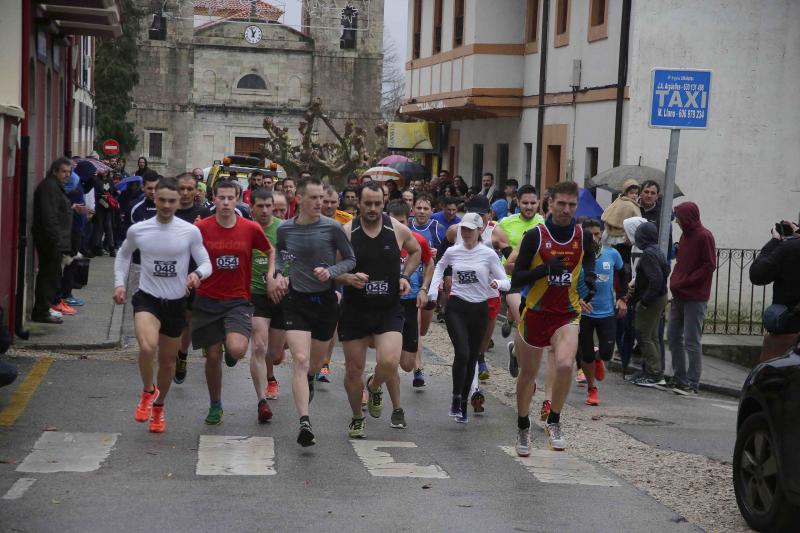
75	192
487	188
394	192
622	208
779	263
650	204
691	288
141	166
352	181
408	198
52	228
461	186
106	204
449	213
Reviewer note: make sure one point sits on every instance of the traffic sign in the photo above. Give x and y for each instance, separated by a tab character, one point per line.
680	98
110	147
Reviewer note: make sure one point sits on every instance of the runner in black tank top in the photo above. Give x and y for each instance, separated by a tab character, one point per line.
371	311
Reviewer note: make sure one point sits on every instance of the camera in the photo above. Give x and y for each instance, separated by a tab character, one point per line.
784	229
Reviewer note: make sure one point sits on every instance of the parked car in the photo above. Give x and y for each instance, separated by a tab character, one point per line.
766	458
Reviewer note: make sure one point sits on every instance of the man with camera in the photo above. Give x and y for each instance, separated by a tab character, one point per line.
778	263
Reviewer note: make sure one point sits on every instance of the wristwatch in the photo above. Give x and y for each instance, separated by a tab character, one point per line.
403	276
198	274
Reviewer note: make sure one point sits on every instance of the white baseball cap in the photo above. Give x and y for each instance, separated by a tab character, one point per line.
472	221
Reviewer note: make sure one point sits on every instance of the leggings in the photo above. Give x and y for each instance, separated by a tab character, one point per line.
466	324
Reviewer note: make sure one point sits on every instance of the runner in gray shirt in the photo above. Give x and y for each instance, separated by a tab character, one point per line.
308	245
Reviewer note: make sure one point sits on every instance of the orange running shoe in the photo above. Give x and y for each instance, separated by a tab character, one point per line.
591	397
157	423
66	308
545	411
145	406
272	390
599	370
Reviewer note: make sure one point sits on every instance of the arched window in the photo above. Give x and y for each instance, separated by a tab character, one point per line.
252	81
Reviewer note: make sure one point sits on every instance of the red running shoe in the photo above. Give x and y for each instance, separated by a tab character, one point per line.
145	406
264	412
157	424
599	370
545	411
591	397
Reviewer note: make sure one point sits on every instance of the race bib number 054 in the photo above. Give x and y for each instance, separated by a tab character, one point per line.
228	262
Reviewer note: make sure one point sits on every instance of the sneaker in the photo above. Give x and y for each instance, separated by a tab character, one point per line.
157	424
685	390
364	399
357	428
483	372
545	410
264	412
462	418
398	418
310	389
145	407
557	442
214	416
523	444
55	313
230	361
668	382
599	370
272	390
180	369
636	376
374	400
74	302
48	319
455	407
580	378
513	366
477	401
419	379
306	437
505	329
66	308
591	396
647	381
322	375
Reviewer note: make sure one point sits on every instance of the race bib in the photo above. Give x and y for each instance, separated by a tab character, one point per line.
467	276
165	269
560	280
376	288
228	262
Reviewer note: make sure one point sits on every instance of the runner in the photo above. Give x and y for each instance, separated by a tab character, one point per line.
477	275
550	260
371	311
277	334
222	312
434	233
166	245
308	244
146	208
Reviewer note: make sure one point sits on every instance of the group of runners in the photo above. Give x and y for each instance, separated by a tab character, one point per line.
223	283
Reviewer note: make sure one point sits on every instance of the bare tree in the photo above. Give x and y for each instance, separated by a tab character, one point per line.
394	79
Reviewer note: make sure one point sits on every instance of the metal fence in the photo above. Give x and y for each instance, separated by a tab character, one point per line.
736	305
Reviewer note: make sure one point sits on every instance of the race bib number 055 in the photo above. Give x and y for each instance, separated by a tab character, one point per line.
467	276
228	262
165	269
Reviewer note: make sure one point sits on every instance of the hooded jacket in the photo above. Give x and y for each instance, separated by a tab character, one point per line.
622	208
778	263
696	259
652	270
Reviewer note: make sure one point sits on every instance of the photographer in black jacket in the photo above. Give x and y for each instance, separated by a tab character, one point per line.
779	263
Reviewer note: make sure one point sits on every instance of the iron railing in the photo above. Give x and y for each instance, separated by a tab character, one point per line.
736	305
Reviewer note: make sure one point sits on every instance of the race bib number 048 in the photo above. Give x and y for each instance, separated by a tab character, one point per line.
228	262
165	269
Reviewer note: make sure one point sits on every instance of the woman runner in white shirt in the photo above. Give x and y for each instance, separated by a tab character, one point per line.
477	274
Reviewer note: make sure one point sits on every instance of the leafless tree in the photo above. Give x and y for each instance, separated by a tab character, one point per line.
394	79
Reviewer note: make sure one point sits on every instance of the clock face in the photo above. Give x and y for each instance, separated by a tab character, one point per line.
252	34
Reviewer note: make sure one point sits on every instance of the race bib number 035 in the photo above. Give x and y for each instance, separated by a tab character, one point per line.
560	280
228	262
165	269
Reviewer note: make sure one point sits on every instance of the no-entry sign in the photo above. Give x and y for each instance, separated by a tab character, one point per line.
110	147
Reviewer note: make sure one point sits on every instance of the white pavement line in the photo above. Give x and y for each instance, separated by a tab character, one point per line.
225	455
733	408
18	488
58	451
559	467
382	464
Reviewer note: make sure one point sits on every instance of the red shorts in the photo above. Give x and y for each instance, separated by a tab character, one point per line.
494	307
537	328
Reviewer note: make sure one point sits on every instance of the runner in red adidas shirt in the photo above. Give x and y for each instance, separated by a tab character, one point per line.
222	310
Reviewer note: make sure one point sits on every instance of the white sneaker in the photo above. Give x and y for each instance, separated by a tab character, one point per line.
523	445
557	442
56	314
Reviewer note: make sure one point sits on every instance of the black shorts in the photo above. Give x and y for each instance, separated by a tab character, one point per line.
171	313
315	312
263	307
410	326
606	329
361	323
213	319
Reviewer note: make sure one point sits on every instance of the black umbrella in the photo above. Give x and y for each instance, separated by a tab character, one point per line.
411	170
613	178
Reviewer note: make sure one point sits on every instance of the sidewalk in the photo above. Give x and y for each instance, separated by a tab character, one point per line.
97	325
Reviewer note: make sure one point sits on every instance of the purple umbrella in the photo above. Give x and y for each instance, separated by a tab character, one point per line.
390	159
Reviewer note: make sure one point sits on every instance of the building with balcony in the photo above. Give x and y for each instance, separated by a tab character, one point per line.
550	90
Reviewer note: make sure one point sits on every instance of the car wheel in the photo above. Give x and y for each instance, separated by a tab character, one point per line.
756	477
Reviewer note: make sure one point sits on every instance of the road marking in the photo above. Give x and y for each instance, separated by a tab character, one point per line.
58	451
18	488
382	464
225	455
733	408
25	391
559	467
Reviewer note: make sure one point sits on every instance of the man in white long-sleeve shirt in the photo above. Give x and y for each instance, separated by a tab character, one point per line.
166	244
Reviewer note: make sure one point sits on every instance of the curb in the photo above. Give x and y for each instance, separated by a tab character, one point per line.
709	387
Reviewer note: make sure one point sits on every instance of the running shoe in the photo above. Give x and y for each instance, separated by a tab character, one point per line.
264	412
74	302
455	407
272	389
483	372
477	401
591	396
419	379
398	418
322	375
580	378
505	329
180	369
647	381
599	370
523	444
685	390
513	365
374	400
462	418
157	424
66	308
557	442
214	416
545	410
55	314
306	437
357	428
230	361
145	407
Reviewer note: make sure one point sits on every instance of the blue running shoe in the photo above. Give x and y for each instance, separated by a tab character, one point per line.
74	301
